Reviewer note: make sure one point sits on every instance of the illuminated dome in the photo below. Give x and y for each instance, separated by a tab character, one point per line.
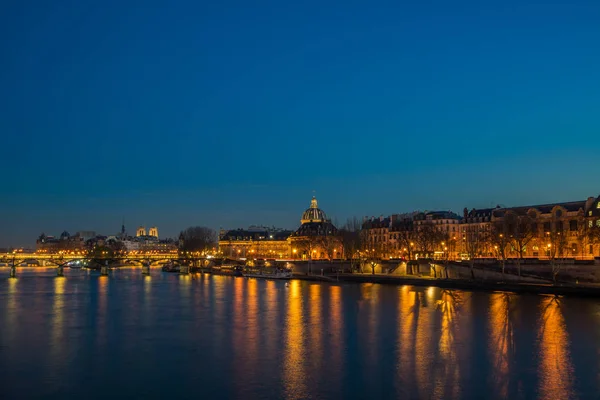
313	214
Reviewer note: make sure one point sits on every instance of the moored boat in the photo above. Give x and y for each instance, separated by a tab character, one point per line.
279	273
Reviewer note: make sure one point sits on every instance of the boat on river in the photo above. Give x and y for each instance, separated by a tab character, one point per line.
279	273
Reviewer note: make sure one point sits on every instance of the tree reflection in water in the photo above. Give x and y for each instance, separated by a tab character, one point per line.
555	368
501	341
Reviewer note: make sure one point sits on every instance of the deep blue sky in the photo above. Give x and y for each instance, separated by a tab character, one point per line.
225	114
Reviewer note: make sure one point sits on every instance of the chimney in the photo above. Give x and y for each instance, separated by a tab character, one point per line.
589	203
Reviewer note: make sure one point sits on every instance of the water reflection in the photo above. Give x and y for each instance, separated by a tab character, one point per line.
336	323
336	342
57	356
501	340
239	334
555	370
253	315
185	285
270	337
406	336
248	338
102	315
12	310
147	287
448	367
294	369
423	342
316	323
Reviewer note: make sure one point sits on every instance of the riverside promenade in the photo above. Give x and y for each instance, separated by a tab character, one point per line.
587	290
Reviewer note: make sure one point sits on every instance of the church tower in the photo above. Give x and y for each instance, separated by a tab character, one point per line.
153	232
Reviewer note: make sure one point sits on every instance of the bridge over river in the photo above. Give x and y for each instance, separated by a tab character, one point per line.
104	263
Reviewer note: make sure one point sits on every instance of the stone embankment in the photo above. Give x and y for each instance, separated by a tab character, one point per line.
571	279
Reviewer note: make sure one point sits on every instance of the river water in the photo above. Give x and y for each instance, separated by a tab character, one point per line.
201	336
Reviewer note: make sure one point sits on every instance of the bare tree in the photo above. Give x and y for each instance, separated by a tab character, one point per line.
556	244
476	241
351	240
521	229
407	240
330	244
593	233
499	238
426	239
197	239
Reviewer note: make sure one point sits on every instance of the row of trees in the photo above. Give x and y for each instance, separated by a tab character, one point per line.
510	237
197	239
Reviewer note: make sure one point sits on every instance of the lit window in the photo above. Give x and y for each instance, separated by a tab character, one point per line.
598	222
598	205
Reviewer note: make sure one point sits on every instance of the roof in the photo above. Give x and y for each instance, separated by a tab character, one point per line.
572	206
437	215
375	223
314	213
242	234
316	229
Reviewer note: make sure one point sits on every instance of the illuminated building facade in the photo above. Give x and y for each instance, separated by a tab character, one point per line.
558	230
255	243
431	234
84	241
63	244
316	238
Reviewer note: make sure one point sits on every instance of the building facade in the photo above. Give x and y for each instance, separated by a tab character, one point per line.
316	238
545	231
254	243
430	234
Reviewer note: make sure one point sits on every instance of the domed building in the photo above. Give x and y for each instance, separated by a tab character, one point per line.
317	237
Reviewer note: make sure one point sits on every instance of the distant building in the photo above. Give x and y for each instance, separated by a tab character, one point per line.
246	243
84	241
557	230
316	238
62	245
86	235
429	234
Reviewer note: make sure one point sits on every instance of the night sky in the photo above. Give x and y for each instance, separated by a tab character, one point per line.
227	114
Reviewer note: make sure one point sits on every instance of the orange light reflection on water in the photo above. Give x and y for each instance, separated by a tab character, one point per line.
316	324
10	326
252	317
423	343
406	334
101	317
555	369
269	319
294	371
335	319
501	340
57	341
448	370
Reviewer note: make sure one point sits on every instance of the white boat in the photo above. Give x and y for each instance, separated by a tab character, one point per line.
279	274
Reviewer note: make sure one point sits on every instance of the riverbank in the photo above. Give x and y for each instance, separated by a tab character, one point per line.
461	284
